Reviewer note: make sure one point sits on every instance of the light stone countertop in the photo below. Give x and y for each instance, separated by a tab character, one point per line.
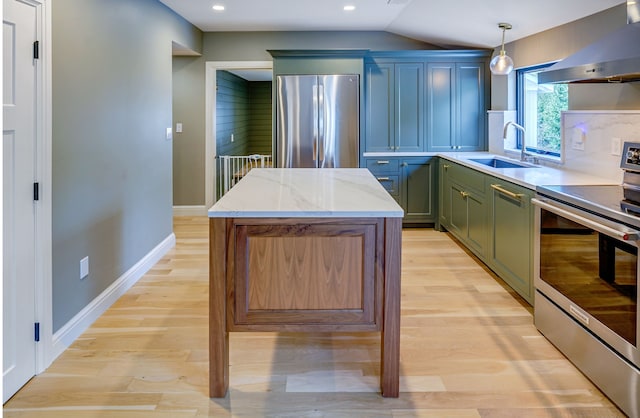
530	177
540	175
307	192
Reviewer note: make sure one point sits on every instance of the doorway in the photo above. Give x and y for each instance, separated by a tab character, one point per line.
242	69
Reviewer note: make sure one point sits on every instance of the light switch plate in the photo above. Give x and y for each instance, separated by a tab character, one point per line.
178	127
84	267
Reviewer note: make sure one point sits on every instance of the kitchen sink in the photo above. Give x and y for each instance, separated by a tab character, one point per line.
499	163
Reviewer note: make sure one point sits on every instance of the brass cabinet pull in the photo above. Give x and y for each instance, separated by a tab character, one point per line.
507	192
383	162
383	178
464	194
445	166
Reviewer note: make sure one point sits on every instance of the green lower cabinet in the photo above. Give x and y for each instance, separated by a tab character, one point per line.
511	235
410	181
468	217
417	184
493	218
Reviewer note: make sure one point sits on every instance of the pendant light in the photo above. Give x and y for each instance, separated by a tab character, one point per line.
501	64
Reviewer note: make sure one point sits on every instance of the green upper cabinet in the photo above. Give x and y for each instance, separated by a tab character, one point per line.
456	106
394	107
417	101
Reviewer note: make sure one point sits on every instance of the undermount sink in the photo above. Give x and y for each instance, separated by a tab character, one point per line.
499	163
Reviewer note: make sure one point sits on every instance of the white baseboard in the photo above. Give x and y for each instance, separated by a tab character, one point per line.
190	211
66	335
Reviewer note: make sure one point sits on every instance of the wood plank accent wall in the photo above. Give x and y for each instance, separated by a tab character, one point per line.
232	114
260	108
243	108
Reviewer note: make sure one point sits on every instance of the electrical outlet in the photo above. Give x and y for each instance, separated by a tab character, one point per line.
616	146
84	267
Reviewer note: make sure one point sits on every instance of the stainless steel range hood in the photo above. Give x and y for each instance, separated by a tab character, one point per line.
613	59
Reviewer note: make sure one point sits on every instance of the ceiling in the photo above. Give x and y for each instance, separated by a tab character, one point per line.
462	23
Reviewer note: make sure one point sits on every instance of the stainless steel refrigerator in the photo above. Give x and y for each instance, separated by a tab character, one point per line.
317	121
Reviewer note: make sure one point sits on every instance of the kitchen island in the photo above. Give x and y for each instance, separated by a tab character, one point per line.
305	250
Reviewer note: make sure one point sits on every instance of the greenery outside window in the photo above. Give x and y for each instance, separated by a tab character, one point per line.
539	111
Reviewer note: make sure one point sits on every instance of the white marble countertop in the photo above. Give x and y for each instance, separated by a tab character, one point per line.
530	177
540	175
307	192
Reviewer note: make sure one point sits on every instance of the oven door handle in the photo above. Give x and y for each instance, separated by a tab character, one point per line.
625	234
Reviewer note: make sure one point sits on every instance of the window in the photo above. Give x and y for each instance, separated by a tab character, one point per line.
539	110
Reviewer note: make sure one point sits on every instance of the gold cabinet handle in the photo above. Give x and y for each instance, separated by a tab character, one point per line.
446	166
383	162
464	194
383	178
507	192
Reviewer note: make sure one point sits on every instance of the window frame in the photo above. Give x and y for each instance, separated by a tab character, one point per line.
520	114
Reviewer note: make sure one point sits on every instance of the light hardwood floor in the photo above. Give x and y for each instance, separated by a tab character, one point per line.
468	349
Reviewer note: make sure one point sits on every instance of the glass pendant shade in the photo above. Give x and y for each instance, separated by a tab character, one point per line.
501	64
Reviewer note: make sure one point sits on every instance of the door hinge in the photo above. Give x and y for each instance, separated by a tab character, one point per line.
37	331
36	191
36	50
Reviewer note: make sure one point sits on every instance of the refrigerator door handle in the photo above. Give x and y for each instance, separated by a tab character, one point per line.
316	112
322	125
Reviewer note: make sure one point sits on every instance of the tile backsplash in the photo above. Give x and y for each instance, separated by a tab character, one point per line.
589	139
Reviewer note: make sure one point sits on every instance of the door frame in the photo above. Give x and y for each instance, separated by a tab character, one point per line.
210	118
43	303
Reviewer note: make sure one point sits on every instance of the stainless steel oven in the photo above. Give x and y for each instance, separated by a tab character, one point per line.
586	278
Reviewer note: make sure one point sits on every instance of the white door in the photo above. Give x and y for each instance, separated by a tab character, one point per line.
19	172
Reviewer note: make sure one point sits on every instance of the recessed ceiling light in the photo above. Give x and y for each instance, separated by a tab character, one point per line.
218	7
349	8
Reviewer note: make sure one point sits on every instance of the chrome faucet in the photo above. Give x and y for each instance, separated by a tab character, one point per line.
523	150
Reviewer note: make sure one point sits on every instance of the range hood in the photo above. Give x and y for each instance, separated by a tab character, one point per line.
613	59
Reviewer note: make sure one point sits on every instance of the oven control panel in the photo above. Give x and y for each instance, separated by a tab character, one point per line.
631	156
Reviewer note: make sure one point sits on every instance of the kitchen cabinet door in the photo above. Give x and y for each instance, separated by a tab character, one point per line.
441	106
394	107
379	125
418	189
471	112
456	107
511	231
468	218
409	107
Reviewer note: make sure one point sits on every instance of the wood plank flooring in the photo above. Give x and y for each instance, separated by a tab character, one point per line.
468	349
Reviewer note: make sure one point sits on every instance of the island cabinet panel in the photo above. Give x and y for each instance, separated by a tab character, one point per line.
299	272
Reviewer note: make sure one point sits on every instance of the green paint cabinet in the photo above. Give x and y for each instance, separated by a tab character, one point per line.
456	106
463	209
394	107
511	235
411	181
493	218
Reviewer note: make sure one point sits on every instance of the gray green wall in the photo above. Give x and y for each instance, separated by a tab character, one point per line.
188	108
112	166
557	43
249	46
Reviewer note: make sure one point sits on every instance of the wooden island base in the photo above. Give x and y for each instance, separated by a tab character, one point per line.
304	275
